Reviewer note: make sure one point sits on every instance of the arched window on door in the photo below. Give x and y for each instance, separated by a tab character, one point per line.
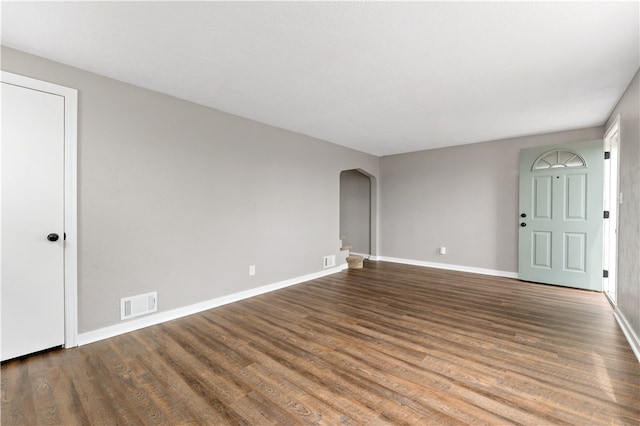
558	158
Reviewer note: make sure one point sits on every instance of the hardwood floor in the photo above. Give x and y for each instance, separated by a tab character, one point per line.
388	344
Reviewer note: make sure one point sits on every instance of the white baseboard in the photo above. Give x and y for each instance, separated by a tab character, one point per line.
632	338
492	272
160	317
366	256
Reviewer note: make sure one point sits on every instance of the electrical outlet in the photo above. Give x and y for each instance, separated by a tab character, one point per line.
252	270
443	250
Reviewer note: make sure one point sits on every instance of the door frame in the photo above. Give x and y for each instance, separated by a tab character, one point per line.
350	237
373	207
612	199
70	195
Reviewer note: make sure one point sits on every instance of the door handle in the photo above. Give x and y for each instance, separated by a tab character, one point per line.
53	237
523	224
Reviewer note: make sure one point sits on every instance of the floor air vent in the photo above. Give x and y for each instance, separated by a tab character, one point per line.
134	306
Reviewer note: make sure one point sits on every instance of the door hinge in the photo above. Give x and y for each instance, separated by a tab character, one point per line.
606	214
605	273
607	155
65	236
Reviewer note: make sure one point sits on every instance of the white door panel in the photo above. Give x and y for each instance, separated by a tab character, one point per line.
32	208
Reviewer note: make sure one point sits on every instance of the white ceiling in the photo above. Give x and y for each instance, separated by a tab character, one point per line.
383	78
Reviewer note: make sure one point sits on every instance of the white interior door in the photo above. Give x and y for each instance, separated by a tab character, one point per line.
561	214
33	136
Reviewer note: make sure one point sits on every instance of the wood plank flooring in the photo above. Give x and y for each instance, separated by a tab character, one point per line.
388	344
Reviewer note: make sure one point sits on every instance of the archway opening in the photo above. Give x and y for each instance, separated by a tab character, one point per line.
357	211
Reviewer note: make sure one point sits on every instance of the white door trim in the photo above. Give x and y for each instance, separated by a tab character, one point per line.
613	204
70	196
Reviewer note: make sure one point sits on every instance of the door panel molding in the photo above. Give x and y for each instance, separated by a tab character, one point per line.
576	197
543	197
70	195
541	249
575	251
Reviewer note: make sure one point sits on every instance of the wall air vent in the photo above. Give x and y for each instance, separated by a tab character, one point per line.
134	306
329	261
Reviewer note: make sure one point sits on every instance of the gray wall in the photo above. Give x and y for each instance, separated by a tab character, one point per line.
180	198
355	210
629	214
464	198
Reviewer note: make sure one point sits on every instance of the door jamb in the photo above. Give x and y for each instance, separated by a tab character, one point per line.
614	198
70	196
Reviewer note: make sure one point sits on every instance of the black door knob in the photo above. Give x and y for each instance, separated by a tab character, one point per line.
53	237
523	215
523	224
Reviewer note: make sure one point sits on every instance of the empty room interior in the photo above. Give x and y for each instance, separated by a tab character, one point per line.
226	213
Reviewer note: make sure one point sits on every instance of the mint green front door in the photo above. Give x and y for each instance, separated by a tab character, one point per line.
560	223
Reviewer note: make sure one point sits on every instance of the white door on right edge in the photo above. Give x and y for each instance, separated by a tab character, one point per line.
560	236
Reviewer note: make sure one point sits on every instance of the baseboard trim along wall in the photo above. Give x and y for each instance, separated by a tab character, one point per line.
492	272
160	317
366	256
117	329
633	340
